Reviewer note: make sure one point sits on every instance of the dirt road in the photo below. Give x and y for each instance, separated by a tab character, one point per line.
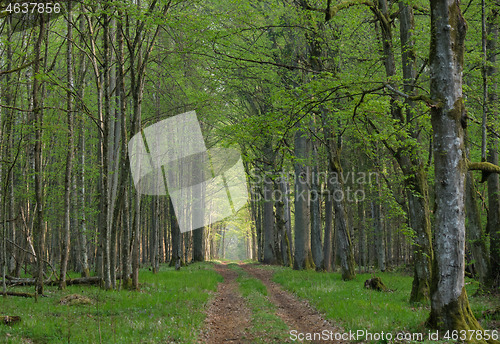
229	316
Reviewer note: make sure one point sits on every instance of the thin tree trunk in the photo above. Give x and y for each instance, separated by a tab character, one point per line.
316	245
303	256
361	237
327	243
69	155
39	230
493	224
416	181
176	238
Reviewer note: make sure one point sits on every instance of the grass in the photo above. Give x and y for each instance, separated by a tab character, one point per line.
170	307
353	307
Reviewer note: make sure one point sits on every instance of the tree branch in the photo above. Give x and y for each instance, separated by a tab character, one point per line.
26	65
483	166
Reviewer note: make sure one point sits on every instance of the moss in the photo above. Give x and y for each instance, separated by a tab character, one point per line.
86	273
309	263
127	283
457	315
420	290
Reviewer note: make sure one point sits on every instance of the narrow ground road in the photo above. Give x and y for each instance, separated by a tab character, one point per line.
229	317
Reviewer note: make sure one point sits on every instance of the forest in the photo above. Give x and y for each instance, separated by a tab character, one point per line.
249	155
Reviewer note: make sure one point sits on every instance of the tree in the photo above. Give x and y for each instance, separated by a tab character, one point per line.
450	308
303	255
39	229
69	156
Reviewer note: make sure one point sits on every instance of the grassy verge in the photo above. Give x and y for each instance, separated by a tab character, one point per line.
353	307
170	307
266	325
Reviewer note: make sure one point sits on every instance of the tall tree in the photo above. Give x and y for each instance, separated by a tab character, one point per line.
450	308
69	155
493	224
39	229
303	256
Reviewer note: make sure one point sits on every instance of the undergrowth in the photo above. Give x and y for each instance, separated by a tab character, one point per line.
170	307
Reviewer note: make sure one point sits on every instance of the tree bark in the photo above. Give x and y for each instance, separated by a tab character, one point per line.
316	245
474	231
327	241
268	214
493	224
39	230
303	256
450	308
176	238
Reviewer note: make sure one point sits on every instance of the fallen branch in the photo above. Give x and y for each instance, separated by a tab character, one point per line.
83	280
15	293
14	281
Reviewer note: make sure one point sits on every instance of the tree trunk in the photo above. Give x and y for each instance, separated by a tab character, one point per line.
81	204
198	247
316	245
474	231
361	237
327	243
268	223
378	231
284	221
493	224
176	238
343	244
450	308
303	256
412	166
39	230
69	155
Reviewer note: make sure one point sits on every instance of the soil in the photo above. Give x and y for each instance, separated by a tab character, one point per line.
228	318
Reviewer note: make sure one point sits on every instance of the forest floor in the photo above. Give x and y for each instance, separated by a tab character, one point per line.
229	318
226	302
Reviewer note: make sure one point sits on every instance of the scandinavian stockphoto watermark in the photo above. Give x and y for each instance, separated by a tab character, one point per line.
335	186
204	185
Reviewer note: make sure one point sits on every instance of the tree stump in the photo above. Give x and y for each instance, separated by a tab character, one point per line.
375	283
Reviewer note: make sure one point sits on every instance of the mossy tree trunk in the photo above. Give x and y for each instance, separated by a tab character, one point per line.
450	308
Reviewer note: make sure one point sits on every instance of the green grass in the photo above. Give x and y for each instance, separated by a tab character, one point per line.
353	307
170	307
